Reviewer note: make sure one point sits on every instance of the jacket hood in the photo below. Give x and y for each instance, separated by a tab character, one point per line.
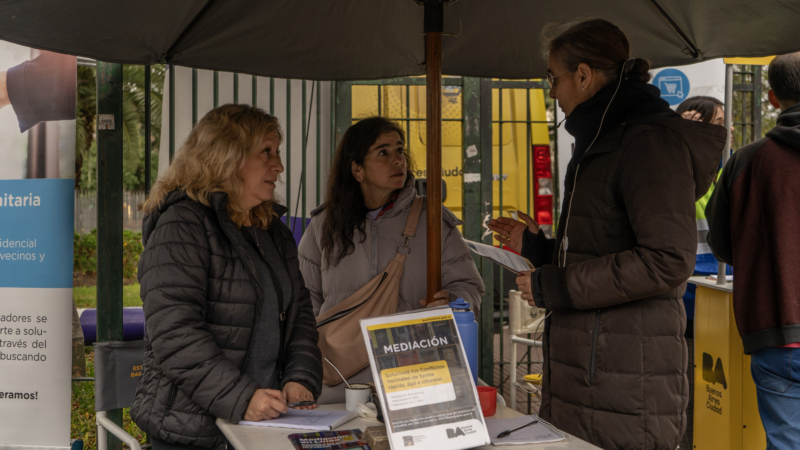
218	202
706	143
787	129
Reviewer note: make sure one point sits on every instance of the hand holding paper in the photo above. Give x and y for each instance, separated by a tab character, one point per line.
510	231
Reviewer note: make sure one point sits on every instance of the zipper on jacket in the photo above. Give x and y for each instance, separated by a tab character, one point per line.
347	311
173	391
594	346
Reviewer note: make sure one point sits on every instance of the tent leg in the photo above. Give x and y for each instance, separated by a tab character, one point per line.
434	24
726	154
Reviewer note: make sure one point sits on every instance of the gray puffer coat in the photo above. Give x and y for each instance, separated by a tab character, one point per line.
202	298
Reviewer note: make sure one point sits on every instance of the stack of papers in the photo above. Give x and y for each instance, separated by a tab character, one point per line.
313	419
539	433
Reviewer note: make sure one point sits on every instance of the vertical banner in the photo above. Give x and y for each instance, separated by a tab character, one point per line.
37	150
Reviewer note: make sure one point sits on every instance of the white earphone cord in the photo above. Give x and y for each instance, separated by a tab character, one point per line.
564	244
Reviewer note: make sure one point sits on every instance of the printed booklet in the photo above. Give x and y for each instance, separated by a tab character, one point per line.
329	440
423	381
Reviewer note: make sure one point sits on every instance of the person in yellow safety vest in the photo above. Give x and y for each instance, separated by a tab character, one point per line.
706	109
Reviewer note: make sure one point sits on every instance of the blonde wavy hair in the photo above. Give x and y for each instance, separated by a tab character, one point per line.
210	159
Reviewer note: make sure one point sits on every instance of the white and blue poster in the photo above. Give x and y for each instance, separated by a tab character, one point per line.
701	79
37	147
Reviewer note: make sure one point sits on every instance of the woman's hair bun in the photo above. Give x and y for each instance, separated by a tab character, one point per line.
637	69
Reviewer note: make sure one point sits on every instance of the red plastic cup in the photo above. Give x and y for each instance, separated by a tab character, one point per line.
488	398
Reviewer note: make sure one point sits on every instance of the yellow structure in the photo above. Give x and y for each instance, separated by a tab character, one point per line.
725	409
409	111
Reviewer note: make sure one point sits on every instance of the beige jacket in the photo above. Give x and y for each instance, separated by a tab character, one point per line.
331	285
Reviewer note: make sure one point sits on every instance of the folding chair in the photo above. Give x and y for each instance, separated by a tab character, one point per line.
117	370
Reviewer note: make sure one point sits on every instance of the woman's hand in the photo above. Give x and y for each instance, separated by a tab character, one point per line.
441	298
525	286
692	115
510	231
265	404
296	392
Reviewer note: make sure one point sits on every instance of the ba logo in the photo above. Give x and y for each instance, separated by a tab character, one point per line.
713	374
451	433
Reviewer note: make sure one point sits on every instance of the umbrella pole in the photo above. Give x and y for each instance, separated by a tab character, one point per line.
434	24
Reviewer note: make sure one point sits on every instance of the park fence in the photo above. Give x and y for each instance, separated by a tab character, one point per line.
86	211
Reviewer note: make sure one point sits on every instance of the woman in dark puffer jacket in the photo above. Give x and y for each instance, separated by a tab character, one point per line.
230	330
615	358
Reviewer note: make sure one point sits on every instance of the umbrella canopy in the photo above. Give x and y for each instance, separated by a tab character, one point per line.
373	39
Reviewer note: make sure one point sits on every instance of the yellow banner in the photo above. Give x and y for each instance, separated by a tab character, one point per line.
416	376
409	322
763	61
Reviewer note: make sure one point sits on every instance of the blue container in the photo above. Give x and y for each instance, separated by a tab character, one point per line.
132	324
468	330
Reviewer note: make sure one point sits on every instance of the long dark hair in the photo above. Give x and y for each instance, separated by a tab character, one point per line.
345	208
706	106
597	43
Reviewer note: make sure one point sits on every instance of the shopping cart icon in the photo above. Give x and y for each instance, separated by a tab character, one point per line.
671	87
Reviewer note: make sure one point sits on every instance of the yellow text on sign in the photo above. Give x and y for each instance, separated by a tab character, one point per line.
416	376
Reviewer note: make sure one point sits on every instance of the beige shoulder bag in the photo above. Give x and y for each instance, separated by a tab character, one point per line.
339	330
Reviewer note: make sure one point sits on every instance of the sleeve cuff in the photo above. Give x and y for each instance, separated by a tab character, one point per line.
534	247
552	282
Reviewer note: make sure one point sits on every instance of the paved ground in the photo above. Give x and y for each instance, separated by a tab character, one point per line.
501	372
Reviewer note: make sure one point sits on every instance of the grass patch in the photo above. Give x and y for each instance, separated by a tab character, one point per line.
86	297
83	422
83	419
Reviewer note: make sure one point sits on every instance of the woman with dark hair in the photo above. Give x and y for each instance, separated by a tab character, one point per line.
358	230
612	279
703	108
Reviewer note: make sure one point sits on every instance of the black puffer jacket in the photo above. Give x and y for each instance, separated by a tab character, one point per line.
201	299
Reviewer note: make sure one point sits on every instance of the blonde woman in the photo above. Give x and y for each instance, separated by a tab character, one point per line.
230	330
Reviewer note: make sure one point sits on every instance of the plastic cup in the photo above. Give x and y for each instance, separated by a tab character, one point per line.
357	393
487	395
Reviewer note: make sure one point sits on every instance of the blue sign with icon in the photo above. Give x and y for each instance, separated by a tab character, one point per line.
674	85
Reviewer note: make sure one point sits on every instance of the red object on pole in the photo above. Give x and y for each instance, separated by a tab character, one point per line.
433	58
542	187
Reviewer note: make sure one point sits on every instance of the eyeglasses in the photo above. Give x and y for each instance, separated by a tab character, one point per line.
552	78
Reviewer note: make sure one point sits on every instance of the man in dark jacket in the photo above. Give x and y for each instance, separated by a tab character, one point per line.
753	221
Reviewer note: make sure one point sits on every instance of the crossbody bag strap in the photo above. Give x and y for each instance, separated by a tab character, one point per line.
411	228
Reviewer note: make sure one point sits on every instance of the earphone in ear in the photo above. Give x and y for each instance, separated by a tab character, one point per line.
564	244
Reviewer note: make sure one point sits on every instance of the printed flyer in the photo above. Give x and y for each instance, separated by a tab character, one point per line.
423	381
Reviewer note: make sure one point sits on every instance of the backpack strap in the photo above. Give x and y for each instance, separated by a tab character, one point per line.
411	226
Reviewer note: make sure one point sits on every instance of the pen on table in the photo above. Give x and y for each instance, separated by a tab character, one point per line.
508	433
296	404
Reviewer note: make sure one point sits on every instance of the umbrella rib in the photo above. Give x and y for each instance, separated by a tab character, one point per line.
171	51
695	52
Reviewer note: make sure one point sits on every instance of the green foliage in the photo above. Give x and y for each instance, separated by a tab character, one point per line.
132	248
133	115
85	253
86	297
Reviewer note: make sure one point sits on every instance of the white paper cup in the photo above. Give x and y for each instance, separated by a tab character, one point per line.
357	393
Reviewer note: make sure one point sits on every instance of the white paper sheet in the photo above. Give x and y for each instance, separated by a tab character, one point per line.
510	261
308	420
